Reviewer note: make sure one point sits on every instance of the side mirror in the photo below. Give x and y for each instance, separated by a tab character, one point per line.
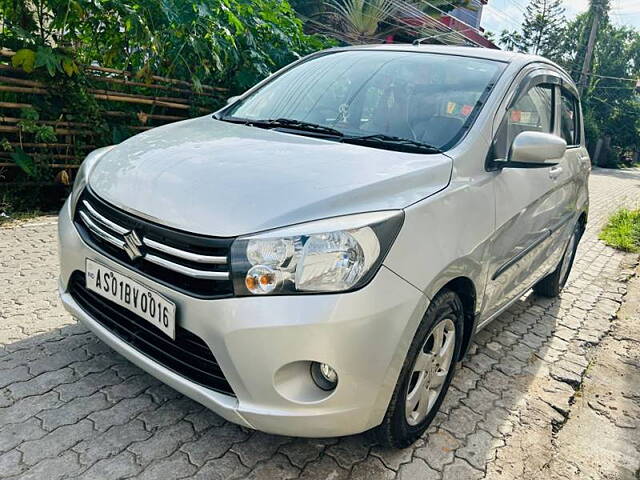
535	149
233	99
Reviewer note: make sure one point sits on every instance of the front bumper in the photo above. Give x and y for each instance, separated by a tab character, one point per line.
261	342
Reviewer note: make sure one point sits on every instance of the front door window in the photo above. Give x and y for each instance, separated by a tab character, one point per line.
532	112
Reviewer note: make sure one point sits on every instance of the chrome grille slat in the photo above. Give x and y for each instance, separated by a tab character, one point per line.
191	272
101	233
191	263
192	257
105	221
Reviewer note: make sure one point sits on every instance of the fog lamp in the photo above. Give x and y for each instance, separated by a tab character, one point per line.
324	376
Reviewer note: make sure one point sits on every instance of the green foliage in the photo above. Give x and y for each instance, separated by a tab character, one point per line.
223	43
366	21
6	219
24	161
542	31
578	31
52	60
623	230
309	8
29	115
19	202
231	43
360	20
69	66
46	57
42	133
610	103
24	59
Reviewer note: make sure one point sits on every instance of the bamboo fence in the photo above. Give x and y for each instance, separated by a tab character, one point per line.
123	99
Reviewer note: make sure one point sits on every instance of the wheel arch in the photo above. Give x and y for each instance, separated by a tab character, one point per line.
465	288
582	220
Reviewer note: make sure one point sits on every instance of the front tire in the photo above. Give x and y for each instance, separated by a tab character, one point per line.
426	374
551	285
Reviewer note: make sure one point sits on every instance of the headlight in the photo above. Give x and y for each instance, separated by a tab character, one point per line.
333	255
82	177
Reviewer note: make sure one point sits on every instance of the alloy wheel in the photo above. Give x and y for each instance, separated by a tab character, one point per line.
430	371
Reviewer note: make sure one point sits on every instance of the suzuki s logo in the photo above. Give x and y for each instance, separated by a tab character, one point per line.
132	244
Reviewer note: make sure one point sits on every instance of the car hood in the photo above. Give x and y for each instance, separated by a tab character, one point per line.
222	179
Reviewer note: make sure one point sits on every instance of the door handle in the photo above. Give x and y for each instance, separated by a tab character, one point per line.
554	172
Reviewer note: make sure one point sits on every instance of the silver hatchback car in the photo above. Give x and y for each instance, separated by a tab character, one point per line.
314	258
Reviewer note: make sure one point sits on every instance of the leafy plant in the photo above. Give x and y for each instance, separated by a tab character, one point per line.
24	59
28	124
53	60
24	161
5	145
361	18
221	43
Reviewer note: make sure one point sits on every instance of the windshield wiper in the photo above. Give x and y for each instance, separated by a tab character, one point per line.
389	142
377	140
296	125
288	123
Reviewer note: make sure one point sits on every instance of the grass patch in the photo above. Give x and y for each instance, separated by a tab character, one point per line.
19	216
23	202
623	230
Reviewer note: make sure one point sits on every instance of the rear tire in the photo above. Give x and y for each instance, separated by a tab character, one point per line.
551	285
423	374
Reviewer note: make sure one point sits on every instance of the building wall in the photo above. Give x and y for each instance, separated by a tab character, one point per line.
469	16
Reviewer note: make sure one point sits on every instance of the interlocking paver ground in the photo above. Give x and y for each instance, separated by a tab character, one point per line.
72	408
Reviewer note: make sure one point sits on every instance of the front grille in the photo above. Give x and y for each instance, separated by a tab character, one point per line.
193	264
187	355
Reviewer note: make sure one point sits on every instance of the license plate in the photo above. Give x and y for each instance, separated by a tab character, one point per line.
145	303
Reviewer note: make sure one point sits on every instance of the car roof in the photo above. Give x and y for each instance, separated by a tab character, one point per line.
474	52
477	52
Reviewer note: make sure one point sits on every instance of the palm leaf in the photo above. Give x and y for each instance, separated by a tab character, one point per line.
361	18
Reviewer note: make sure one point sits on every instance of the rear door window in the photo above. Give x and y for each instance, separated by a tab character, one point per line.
569	121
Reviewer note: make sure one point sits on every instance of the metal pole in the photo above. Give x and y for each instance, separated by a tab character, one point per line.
597	13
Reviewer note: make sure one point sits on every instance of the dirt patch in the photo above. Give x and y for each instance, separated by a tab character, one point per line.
584	424
602	437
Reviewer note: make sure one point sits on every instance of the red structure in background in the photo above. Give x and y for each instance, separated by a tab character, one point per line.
468	31
466	21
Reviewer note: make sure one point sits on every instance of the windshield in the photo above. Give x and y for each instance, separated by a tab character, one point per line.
426	98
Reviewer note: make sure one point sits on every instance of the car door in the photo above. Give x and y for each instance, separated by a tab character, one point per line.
571	174
529	202
577	158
